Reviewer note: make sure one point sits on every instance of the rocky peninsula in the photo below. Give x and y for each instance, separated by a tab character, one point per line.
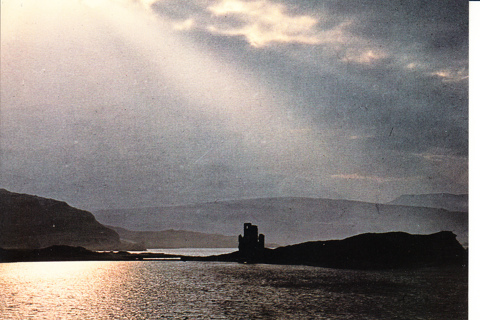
391	250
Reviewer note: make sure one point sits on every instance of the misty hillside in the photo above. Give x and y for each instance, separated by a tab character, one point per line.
177	239
28	221
291	220
447	201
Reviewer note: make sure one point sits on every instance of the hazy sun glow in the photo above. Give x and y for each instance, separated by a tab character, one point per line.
95	43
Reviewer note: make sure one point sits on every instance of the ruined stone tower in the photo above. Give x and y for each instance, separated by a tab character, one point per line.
251	244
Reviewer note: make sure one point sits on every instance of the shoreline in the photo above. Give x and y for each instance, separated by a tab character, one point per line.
394	250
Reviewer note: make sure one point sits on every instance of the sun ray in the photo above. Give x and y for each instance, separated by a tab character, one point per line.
219	90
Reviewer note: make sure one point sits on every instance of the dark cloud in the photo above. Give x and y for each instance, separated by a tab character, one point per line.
177	9
399	103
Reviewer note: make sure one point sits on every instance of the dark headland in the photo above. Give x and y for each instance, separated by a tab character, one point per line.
32	222
389	250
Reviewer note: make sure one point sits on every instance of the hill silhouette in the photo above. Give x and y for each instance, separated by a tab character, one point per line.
365	251
31	222
176	239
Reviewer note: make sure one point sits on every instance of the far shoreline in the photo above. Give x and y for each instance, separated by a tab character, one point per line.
371	251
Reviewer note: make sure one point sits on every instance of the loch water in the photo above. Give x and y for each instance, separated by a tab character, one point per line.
218	290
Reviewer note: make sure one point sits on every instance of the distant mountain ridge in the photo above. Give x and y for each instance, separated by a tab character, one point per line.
32	222
447	201
176	239
291	220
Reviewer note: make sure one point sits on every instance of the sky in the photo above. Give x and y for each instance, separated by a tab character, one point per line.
123	103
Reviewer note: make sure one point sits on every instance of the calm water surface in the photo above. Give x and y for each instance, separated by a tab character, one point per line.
209	290
200	252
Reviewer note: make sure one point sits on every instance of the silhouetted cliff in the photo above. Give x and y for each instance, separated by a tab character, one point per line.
366	251
28	221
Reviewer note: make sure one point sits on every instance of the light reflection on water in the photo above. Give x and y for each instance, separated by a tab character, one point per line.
60	290
202	290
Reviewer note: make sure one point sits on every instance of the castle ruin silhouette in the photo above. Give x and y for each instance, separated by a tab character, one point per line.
251	245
